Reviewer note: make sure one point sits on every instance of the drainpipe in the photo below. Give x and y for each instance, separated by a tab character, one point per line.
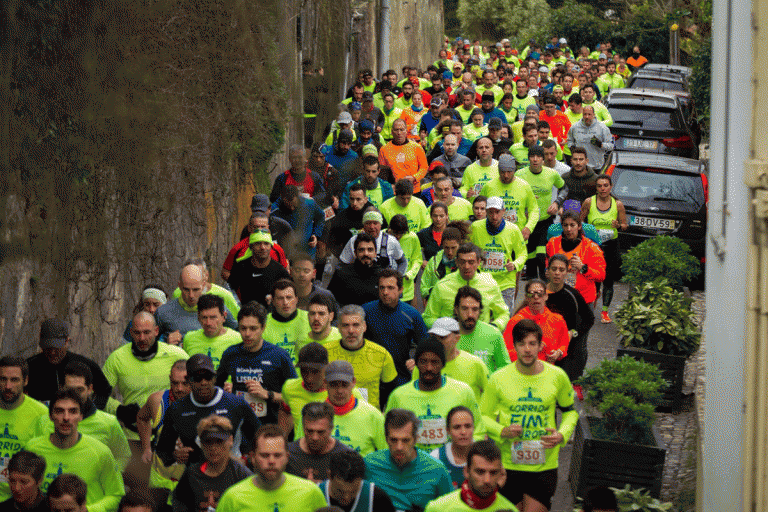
384	37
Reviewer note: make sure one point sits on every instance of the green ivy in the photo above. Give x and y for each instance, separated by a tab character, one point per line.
662	256
659	318
624	391
700	82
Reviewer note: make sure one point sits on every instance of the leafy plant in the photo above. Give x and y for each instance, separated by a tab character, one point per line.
663	256
659	318
624	391
634	500
701	81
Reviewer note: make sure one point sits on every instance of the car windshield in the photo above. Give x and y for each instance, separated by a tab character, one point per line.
648	118
655	186
650	83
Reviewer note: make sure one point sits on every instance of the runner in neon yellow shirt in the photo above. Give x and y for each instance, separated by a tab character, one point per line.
320	315
541	179
458	207
19	415
441	300
477	174
351	414
373	364
310	387
98	424
271	489
433	395
287	324
459	365
503	246
520	206
409	242
480	490
477	337
67	450
405	203
519	411
213	339
138	369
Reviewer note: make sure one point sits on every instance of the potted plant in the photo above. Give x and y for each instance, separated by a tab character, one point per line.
634	500
662	256
656	324
615	443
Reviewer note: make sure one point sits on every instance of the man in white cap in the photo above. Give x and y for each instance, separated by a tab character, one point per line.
389	253
503	247
459	365
254	274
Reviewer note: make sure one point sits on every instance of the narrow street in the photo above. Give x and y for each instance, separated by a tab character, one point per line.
679	430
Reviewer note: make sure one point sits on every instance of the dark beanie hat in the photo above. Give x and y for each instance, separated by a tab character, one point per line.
430	344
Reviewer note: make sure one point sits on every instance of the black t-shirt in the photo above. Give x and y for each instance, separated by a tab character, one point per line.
10	506
253	283
45	379
194	487
310	466
381	502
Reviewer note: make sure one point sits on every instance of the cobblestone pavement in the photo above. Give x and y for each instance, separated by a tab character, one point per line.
679	430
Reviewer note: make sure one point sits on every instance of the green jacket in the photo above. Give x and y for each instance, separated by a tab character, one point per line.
444	293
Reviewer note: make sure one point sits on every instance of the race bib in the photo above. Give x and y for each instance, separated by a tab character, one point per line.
605	234
478	187
258	405
570	279
510	216
528	453
4	469
494	260
432	431
329	213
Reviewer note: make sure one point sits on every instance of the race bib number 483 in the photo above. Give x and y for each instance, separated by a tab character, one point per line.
433	431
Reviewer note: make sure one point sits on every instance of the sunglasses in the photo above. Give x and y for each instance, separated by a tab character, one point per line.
199	377
536	295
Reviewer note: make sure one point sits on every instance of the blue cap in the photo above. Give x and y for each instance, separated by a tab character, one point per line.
447	74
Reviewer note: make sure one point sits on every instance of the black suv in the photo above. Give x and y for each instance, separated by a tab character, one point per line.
666	79
650	121
663	195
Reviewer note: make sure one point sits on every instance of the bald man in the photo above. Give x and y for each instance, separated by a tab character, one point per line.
179	316
136	370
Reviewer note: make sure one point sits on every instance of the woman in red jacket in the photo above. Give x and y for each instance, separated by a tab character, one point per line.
554	344
586	264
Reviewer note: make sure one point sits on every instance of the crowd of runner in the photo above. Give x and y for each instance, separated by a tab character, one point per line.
366	350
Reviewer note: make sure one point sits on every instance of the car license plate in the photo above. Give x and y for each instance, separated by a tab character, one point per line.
648	145
651	222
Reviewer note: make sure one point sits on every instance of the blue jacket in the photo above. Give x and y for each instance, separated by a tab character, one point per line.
496	112
306	220
386	191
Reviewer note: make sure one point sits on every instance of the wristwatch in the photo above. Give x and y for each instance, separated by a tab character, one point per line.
584	268
270	395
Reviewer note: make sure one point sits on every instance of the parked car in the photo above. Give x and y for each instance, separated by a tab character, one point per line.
650	121
669	79
662	195
683	70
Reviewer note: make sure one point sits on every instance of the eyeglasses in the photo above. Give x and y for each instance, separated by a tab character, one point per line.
535	295
199	377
